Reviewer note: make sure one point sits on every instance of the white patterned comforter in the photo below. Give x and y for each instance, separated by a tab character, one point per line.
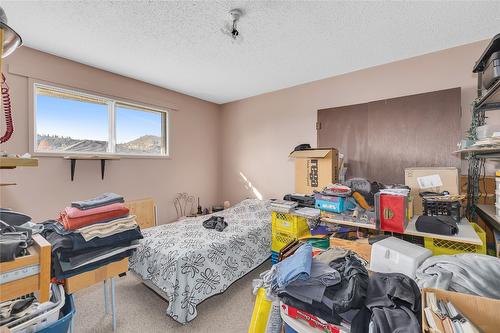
190	263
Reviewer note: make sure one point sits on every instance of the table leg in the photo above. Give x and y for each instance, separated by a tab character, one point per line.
113	302
72	322
105	285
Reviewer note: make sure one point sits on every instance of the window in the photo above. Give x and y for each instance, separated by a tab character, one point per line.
72	122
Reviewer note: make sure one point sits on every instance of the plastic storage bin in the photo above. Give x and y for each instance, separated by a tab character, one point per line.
62	325
280	240
441	246
288	329
446	208
330	204
293	225
274	257
44	319
394	255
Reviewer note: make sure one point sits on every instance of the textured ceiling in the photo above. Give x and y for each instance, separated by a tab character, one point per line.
179	45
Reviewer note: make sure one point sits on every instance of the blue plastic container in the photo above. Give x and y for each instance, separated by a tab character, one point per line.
333	204
288	329
62	325
274	257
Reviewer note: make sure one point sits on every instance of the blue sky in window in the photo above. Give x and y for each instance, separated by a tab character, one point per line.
84	120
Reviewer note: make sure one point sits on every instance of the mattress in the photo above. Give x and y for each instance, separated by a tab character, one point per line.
189	263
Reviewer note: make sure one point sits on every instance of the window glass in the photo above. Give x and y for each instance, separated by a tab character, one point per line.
69	123
139	131
72	122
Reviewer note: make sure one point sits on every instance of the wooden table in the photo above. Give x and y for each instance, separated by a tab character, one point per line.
101	274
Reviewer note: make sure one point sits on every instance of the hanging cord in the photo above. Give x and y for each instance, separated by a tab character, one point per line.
7	109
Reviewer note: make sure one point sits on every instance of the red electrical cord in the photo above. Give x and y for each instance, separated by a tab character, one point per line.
7	109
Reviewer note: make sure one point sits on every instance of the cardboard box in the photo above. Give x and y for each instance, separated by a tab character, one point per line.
314	169
430	179
481	311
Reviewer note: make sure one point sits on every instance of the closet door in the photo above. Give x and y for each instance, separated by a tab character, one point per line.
380	139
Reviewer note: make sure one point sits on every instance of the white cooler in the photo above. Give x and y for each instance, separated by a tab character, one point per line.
393	255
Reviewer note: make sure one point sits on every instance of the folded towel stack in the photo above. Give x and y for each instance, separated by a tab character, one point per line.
91	234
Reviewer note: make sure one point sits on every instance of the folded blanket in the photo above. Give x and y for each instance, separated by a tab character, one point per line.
79	222
468	273
102	200
108	228
74	212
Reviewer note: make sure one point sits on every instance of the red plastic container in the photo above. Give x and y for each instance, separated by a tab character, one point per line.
392	212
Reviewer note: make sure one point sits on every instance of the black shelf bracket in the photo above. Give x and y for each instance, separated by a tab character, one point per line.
73	167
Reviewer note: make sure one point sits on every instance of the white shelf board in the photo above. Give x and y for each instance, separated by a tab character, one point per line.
466	233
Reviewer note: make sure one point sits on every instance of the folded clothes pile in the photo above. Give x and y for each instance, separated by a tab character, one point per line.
91	234
330	286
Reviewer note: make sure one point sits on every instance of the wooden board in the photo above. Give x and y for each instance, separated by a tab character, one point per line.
350	223
87	279
380	139
91	157
360	246
14	162
39	254
144	210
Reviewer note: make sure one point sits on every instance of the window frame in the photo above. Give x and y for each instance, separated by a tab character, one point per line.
111	103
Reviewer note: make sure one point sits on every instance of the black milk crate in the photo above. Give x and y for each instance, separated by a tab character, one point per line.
434	207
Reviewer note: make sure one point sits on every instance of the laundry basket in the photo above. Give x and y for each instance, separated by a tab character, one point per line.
67	313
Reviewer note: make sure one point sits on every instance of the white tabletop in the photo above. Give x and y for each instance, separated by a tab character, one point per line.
466	233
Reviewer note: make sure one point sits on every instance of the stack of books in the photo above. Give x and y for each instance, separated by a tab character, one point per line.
443	317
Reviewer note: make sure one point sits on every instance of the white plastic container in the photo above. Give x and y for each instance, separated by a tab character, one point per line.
497	180
497	206
393	255
44	319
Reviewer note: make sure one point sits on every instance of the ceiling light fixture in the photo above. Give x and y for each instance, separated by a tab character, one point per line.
231	29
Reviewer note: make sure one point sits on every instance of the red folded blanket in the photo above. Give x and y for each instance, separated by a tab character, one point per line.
74	212
83	221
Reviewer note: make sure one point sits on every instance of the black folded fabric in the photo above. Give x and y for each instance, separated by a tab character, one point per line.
58	273
392	305
440	225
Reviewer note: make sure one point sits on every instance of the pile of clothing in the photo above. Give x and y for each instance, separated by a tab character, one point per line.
16	230
90	234
392	305
331	286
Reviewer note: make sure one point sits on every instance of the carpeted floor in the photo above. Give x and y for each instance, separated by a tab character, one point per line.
139	309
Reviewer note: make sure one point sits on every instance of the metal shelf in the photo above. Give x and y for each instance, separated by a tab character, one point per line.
490	100
488	213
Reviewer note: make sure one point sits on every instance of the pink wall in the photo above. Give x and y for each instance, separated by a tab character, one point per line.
259	132
41	192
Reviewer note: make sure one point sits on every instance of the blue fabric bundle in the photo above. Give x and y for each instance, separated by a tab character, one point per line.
295	267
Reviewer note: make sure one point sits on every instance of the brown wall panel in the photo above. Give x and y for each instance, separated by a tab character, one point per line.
380	139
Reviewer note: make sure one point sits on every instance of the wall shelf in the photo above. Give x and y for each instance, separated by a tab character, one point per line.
14	162
103	159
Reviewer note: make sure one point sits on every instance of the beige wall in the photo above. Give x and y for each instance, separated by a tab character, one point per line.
259	132
43	191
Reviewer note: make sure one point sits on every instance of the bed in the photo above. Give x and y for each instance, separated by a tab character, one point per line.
186	263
